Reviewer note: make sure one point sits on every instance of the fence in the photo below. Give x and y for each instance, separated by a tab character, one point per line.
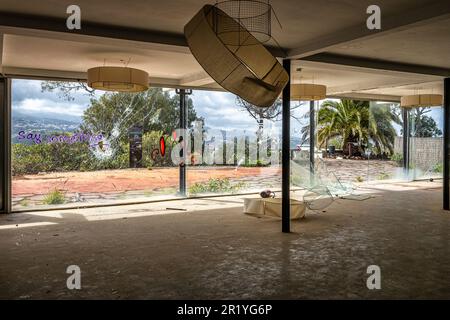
425	153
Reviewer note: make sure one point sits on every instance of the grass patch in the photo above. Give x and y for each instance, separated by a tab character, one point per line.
122	196
54	197
217	185
383	176
24	202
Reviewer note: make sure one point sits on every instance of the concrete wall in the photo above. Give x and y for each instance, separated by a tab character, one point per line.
425	152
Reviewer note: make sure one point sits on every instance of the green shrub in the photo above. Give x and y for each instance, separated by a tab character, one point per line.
257	163
59	157
398	158
54	197
438	168
337	142
217	185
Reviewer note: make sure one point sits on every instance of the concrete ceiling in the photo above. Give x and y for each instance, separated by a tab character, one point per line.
422	45
414	32
302	20
24	53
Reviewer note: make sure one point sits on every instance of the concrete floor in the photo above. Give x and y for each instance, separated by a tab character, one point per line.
214	251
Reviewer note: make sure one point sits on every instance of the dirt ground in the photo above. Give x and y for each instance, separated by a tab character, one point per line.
128	185
214	251
138	179
127	179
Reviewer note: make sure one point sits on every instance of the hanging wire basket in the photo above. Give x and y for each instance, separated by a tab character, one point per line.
254	16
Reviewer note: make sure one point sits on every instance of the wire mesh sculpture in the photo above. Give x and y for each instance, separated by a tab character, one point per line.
233	56
253	16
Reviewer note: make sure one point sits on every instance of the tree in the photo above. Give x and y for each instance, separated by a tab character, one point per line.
153	109
114	113
66	88
381	130
260	114
423	126
354	121
348	119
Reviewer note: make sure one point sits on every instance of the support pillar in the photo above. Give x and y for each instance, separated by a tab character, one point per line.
286	152
183	93
5	145
446	107
406	134
312	131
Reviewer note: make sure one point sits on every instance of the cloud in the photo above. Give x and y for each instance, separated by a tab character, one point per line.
221	112
23	89
36	106
27	96
219	109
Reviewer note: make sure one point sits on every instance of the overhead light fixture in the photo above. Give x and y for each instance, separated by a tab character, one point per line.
232	55
308	92
122	79
421	100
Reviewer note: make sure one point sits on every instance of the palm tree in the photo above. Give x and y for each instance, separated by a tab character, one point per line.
382	132
353	121
347	119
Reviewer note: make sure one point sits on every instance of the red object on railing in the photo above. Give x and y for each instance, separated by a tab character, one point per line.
162	146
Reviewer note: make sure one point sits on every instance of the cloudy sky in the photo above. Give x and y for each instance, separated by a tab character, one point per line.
218	108
28	98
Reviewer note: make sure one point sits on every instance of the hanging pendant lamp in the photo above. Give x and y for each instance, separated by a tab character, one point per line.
421	100
308	92
122	79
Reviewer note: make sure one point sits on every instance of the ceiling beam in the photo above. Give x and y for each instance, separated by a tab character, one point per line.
365	63
197	79
365	97
44	74
436	11
315	66
14	23
375	84
16	20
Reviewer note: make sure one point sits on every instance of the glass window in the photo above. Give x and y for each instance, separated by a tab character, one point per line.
385	142
73	147
426	143
234	147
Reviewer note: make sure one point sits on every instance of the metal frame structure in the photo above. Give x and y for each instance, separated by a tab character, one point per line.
406	136
5	142
183	93
312	130
286	153
446	106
